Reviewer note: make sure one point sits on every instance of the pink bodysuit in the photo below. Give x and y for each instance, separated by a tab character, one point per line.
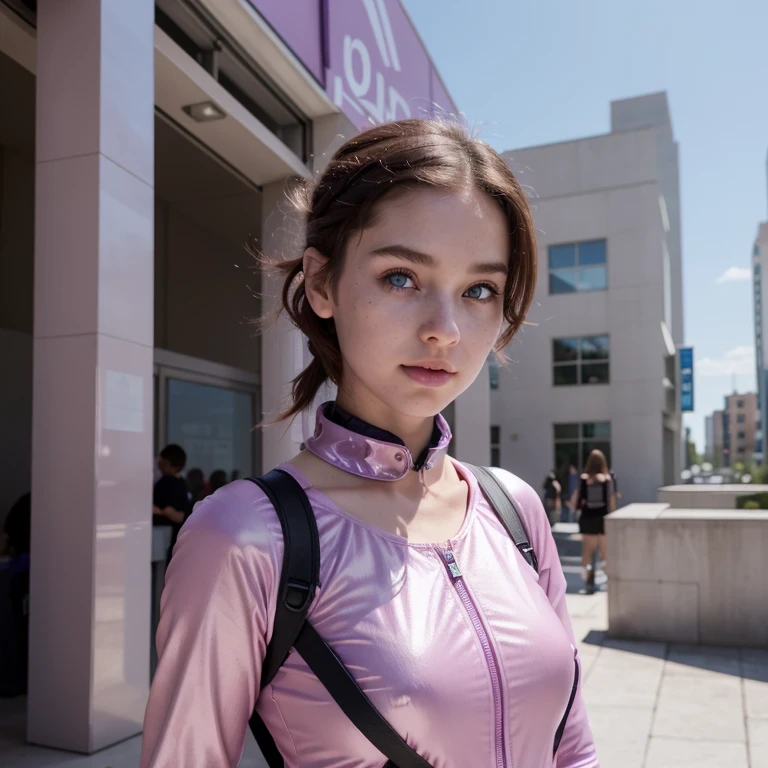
462	647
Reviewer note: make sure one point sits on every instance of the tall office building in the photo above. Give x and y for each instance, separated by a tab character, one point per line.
759	267
597	366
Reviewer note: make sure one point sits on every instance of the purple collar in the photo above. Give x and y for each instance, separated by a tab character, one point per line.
357	447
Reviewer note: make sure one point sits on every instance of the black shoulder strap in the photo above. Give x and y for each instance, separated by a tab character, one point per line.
300	574
299	579
506	510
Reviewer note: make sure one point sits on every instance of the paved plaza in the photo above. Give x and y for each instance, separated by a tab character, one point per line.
651	705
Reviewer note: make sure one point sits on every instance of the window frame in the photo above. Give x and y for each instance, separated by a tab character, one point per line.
576	266
579	361
581	441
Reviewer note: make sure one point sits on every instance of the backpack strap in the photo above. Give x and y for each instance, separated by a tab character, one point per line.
506	510
299	579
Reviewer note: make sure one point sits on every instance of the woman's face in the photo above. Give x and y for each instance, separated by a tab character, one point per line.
419	304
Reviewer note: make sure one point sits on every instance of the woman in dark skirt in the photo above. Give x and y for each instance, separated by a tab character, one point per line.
596	499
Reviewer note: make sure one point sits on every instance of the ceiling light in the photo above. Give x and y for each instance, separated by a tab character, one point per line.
205	112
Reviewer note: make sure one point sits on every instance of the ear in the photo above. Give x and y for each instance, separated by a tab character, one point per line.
315	286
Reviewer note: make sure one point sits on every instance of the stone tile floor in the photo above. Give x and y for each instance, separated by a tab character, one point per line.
651	705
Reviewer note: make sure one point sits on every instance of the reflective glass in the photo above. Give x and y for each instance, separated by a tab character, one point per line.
594	348
565	375
566	431
595	429
591	279
563	281
565	455
562	256
594	373
565	350
213	425
592	252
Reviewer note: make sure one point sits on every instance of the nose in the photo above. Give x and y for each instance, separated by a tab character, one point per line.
440	326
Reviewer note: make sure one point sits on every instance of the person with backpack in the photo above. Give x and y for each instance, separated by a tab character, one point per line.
596	499
373	602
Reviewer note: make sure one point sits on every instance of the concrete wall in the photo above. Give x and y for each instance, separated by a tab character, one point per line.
706	496
602	187
688	576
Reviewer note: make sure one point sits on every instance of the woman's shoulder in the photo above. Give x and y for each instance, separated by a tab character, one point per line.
526	499
238	516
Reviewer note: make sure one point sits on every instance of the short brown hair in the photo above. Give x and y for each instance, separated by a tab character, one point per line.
379	162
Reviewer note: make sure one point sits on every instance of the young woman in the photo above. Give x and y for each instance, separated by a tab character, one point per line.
596	498
419	259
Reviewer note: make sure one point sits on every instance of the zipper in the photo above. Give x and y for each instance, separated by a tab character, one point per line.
561	727
457	578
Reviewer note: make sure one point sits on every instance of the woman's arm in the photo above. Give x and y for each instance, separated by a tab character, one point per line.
218	597
577	747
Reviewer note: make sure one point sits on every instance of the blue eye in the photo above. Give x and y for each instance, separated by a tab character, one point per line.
399	280
481	292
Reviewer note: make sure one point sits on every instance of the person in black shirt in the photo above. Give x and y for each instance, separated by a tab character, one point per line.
170	499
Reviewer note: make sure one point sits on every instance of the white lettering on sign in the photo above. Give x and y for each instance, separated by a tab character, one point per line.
380	101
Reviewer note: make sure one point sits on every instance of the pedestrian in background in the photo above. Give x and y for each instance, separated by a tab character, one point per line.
596	499
569	508
195	486
170	498
553	493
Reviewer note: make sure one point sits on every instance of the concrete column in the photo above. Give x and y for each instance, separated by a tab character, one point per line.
472	422
92	391
283	346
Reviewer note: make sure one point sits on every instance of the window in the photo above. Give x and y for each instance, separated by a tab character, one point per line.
739	403
495	445
740	418
574	442
580	360
740	435
741	449
493	375
578	267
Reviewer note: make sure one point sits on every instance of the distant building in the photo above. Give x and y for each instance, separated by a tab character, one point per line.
760	301
734	430
597	367
709	438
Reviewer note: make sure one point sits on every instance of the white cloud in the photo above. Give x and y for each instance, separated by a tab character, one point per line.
738	361
734	275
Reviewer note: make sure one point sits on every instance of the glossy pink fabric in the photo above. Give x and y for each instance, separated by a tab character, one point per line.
392	613
365	456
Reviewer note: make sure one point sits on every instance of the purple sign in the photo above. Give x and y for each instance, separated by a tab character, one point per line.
299	24
373	65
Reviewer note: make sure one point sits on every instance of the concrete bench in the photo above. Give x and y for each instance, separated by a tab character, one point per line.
688	575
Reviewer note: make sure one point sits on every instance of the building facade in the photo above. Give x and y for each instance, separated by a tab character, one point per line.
596	367
733	434
760	302
741	424
145	144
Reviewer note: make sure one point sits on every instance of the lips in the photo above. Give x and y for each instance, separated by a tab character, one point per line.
429	374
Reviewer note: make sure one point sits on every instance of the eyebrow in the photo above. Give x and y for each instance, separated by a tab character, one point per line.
425	260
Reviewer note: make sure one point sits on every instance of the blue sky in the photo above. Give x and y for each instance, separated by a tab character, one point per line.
542	71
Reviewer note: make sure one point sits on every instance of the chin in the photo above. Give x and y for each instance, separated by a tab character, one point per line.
422	402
